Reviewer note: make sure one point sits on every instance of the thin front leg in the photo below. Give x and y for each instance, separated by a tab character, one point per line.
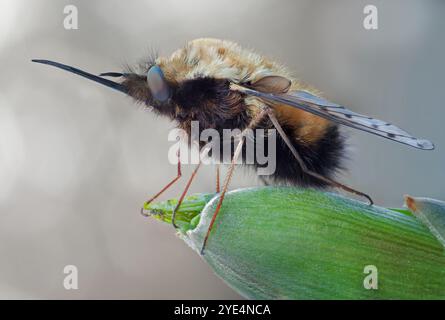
184	193
229	175
187	186
303	166
179	174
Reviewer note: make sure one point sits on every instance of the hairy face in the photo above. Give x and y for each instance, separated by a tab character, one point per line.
198	76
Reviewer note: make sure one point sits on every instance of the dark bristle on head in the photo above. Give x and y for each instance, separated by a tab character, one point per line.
152	55
144	64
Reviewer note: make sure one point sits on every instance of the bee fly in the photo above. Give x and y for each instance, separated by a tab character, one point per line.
222	85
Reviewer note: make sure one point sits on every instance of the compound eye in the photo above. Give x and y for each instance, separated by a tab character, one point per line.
158	85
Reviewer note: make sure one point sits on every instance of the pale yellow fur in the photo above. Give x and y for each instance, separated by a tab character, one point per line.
224	59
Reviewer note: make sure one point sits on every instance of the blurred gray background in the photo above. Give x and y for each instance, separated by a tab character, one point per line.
77	160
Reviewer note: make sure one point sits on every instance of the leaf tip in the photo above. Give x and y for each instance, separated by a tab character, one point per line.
410	202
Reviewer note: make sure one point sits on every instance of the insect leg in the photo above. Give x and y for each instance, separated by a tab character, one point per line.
218	187
179	174
303	166
184	193
229	175
189	182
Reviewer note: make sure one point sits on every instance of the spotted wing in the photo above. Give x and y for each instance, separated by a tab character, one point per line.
308	102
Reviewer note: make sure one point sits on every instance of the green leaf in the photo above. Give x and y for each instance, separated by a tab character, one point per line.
291	243
431	212
187	216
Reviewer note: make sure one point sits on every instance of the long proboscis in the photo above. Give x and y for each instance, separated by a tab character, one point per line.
95	78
